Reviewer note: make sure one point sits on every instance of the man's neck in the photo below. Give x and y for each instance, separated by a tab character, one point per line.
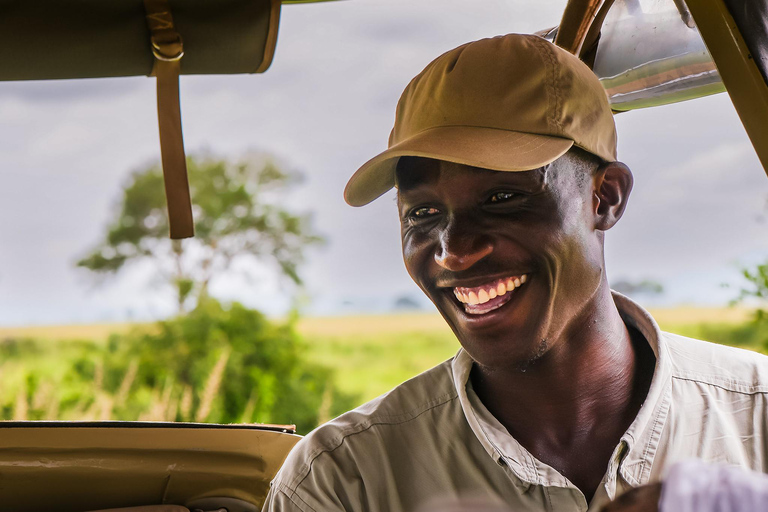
570	408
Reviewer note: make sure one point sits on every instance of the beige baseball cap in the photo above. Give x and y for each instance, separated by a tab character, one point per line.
509	103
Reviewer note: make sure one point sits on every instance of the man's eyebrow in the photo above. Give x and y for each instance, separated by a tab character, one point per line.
537	176
410	182
413	187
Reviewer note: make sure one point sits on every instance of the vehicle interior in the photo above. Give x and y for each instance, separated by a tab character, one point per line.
647	54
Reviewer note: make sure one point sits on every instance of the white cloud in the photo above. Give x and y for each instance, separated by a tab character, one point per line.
692	220
325	107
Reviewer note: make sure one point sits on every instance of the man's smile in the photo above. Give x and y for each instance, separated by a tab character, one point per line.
485	298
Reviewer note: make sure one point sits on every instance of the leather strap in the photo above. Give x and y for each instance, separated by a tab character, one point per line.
168	49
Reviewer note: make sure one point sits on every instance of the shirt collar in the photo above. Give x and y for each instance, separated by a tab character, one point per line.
641	439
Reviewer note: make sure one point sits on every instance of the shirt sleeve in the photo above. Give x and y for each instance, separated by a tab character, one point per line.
314	478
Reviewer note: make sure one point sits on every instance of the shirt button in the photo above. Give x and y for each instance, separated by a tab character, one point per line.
501	462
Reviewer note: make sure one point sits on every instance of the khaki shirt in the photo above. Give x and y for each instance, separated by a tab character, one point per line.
432	438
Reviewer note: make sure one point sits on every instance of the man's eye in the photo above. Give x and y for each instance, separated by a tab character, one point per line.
423	212
500	197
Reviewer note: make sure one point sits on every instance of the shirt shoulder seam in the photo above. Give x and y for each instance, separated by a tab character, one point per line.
367	425
731	385
403	417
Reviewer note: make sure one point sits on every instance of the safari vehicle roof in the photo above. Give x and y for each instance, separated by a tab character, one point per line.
101	465
736	35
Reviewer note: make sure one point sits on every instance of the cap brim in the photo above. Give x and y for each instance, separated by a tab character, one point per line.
488	148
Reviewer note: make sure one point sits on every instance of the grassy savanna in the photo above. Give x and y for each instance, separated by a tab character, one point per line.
219	364
369	354
95	332
372	354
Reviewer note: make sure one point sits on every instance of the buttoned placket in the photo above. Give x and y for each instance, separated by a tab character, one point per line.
612	474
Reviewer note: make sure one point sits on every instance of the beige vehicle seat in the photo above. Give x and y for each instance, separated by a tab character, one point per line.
147	467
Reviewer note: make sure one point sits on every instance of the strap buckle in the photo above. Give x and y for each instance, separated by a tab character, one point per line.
168	51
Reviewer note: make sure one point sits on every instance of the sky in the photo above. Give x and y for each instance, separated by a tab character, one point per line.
697	214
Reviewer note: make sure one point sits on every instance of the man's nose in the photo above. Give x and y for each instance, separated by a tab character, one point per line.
460	249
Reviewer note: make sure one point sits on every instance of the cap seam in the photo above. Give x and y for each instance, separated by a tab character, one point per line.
551	61
548	85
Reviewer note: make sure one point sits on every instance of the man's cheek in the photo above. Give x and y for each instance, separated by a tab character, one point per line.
415	255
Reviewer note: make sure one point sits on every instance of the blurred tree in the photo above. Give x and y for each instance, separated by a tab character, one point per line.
406	303
754	294
238	216
633	288
756	290
219	364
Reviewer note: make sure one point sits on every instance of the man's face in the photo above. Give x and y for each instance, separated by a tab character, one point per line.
510	259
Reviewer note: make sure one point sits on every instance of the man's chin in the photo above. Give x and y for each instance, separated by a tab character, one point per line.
502	345
520	356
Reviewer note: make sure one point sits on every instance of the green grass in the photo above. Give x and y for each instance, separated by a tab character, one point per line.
372	354
375	353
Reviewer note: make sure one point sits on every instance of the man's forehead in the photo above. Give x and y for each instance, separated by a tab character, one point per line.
417	172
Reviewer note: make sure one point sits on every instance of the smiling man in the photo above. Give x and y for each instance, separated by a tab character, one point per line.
564	394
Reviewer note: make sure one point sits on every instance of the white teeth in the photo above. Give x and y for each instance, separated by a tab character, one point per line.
483	295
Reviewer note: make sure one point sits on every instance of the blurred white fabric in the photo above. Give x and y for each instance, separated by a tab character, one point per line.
698	486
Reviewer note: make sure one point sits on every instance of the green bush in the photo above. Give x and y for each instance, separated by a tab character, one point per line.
754	334
215	364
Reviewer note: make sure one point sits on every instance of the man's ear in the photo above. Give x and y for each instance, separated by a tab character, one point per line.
612	184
